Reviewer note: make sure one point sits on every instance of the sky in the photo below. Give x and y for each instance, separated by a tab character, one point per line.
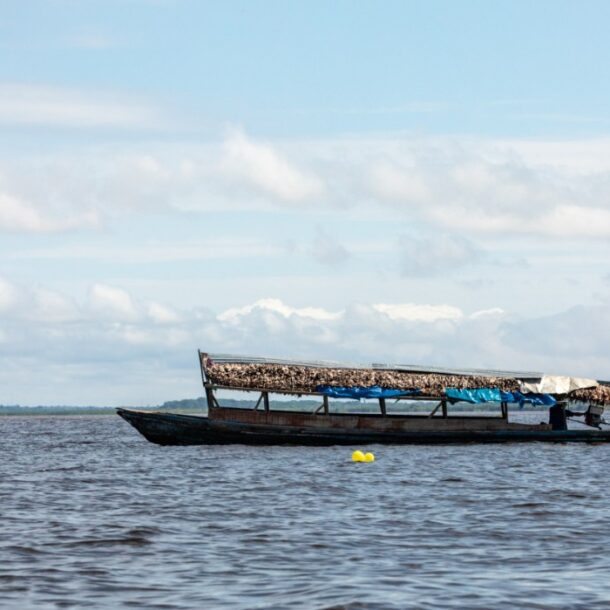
409	182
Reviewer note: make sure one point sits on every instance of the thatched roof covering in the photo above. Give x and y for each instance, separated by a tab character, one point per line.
297	379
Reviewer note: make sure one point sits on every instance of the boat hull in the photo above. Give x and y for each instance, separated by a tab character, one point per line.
178	429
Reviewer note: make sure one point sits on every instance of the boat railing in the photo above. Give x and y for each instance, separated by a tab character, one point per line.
323	408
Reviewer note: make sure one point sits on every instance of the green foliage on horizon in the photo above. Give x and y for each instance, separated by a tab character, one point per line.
307	405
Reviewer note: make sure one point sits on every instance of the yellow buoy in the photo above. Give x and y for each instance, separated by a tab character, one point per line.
369	457
358	456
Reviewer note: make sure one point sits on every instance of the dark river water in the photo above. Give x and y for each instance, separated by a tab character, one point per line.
92	515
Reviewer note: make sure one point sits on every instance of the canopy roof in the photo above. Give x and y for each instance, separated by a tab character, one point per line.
412	368
307	376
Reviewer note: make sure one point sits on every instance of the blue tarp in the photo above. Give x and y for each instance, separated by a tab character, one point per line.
480	395
474	396
361	392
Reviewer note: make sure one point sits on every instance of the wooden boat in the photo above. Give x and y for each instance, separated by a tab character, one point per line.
267	424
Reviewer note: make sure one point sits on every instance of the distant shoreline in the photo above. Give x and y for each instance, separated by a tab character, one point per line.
199	406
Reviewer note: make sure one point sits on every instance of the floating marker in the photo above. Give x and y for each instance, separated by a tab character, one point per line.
358	456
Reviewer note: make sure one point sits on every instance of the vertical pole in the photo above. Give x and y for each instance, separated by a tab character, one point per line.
382	406
325	402
209	396
504	407
444	407
266	400
204	379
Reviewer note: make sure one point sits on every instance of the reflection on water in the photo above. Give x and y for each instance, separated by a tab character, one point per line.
94	515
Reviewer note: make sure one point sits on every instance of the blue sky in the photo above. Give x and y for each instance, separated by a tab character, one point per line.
423	182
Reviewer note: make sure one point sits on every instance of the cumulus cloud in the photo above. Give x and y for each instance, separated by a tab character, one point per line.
116	347
234	314
261	166
162	314
19	215
474	186
51	306
35	304
581	332
113	302
394	183
419	313
479	187
492	311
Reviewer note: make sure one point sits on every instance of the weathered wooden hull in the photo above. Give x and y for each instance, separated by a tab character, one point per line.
297	429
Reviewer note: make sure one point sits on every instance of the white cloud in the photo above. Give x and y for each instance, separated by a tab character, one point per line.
263	167
33	104
51	306
576	221
474	186
487	186
8	295
35	304
161	314
234	314
419	313
403	184
19	215
119	349
492	311
112	302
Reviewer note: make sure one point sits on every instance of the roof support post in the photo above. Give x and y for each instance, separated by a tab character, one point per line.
258	402
325	403
441	405
504	409
266	400
210	398
204	378
433	412
382	406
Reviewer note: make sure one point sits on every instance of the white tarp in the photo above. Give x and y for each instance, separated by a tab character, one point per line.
556	384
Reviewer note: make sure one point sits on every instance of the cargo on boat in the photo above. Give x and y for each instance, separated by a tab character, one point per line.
267	423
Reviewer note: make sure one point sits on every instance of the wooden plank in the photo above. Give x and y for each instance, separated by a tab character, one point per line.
347	422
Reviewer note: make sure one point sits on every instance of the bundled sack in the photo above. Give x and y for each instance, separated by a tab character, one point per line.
599	395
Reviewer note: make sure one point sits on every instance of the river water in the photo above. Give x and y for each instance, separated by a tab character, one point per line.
92	515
